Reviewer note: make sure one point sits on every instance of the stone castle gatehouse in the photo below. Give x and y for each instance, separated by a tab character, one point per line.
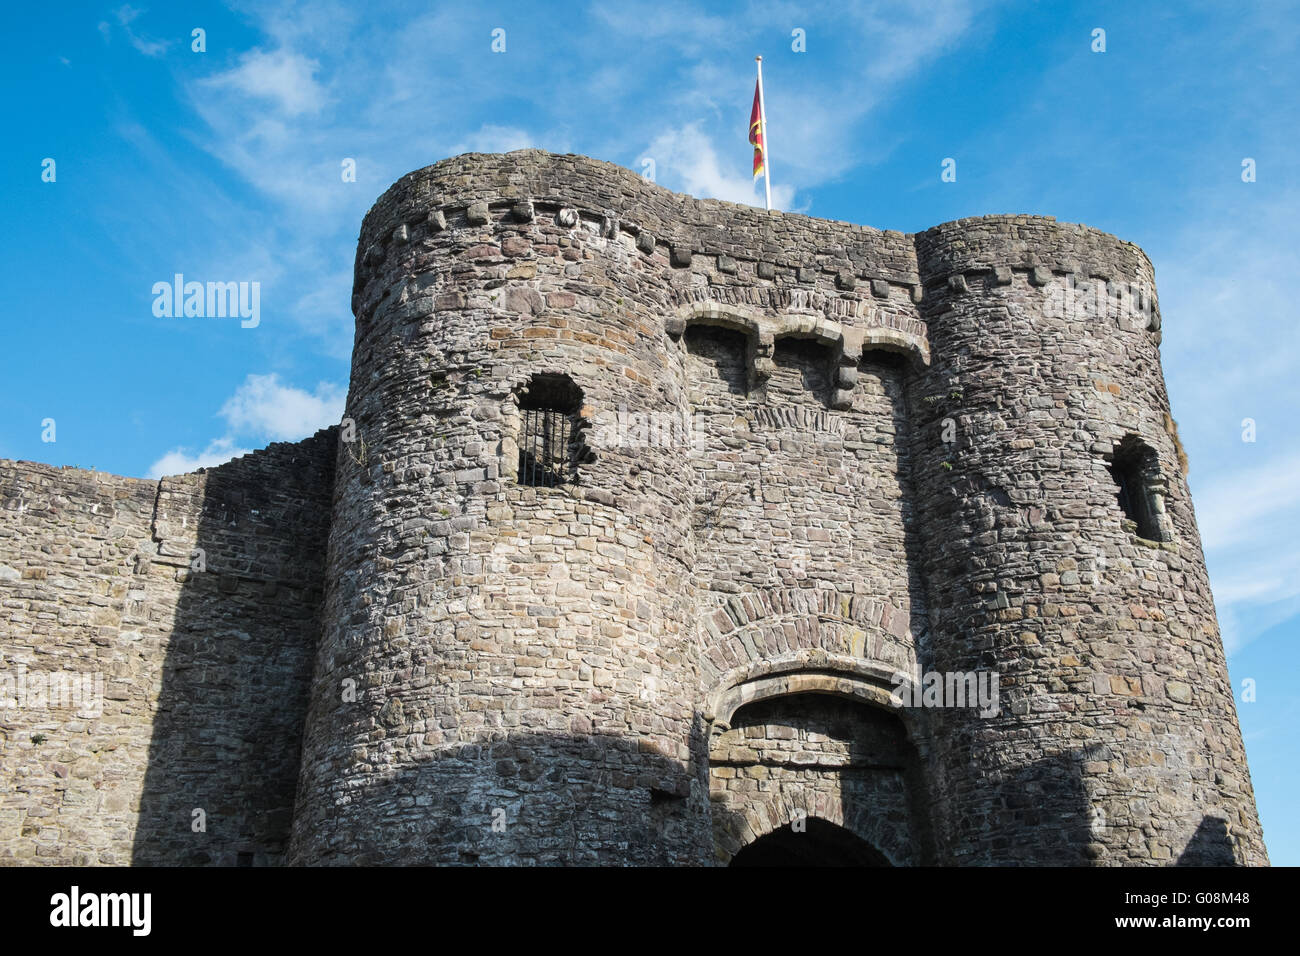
640	507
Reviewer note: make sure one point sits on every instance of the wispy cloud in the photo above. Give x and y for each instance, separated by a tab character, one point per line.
1239	504
180	461
402	117
490	138
149	46
1249	520
816	123
262	409
282	79
1230	356
686	160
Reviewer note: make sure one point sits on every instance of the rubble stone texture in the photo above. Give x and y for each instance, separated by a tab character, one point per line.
813	456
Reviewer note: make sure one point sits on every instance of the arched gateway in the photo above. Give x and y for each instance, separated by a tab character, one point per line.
812	843
809	764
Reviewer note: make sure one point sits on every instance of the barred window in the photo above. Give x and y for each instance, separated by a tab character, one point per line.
550	439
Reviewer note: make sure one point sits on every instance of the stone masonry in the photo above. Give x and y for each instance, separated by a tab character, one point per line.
809	463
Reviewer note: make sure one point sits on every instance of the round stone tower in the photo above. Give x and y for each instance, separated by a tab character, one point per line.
505	671
648	509
1062	552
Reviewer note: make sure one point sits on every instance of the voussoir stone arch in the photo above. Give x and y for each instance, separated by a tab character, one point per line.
764	325
779	807
806	671
761	626
738	317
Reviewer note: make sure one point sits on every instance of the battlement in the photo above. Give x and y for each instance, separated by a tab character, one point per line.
787	260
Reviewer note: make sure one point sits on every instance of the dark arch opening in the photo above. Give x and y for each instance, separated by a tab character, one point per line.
1135	469
812	749
820	844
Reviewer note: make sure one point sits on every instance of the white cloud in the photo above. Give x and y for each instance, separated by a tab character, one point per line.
1249	521
686	160
1230	354
282	77
261	409
179	461
689	29
1238	505
264	407
816	122
147	45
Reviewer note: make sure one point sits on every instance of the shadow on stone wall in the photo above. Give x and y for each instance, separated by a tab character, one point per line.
245	543
1210	845
527	799
896	369
1042	815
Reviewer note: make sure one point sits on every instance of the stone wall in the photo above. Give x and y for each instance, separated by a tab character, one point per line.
195	599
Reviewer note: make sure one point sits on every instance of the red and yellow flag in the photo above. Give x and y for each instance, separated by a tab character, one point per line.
756	132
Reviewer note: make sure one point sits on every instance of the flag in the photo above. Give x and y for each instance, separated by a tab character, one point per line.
756	131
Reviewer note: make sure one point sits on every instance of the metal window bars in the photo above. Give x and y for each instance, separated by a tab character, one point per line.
544	447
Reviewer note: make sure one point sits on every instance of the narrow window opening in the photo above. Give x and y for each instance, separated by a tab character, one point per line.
1135	471
550	435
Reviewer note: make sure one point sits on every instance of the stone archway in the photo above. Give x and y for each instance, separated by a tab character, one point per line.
814	738
813	842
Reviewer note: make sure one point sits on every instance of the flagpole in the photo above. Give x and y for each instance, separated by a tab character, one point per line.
762	120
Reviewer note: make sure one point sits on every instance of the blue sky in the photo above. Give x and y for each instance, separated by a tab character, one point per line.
225	165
